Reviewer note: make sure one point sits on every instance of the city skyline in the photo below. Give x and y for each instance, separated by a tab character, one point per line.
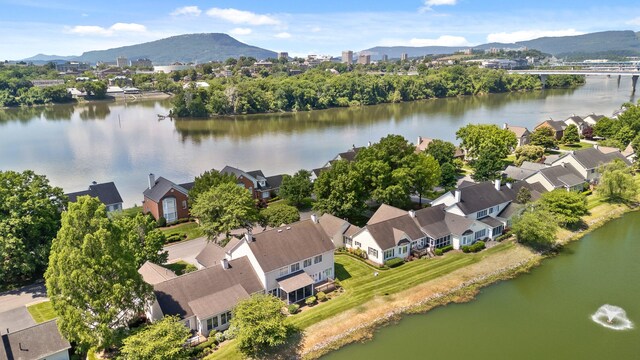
66	28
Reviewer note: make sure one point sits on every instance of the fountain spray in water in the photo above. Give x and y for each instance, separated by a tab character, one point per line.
612	317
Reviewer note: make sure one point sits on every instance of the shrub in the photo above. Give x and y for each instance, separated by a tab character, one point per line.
310	300
502	237
176	237
394	262
466	249
293	308
477	246
161	222
219	337
447	248
211	341
438	252
337	283
321	296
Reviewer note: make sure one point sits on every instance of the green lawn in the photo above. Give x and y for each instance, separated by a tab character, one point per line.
578	146
190	229
361	286
180	267
42	312
133	211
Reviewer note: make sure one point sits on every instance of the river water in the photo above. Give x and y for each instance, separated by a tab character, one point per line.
123	142
545	314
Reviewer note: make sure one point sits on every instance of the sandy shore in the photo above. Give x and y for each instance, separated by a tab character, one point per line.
459	286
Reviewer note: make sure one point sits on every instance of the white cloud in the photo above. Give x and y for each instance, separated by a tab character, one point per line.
240	31
635	21
283	35
115	28
524	35
439	2
236	16
187	10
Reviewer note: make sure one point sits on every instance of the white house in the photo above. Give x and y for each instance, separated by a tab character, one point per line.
563	176
107	193
38	342
592	119
587	161
578	122
522	133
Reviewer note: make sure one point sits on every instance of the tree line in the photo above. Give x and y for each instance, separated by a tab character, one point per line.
316	89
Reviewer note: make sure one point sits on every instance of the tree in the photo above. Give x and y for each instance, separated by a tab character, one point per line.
296	188
164	339
208	180
92	278
340	191
442	151
587	132
224	208
29	220
448	175
532	153
143	238
536	228
523	196
424	174
617	182
545	137
260	323
278	214
486	146
566	206
571	135
606	127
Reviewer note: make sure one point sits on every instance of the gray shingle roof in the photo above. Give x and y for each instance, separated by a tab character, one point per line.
160	189
561	176
107	193
285	245
591	158
517	173
218	302
483	195
432	221
385	233
37	342
174	295
491	221
154	274
212	254
385	212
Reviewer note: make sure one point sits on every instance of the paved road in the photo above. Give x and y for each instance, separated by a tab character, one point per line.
186	250
18	298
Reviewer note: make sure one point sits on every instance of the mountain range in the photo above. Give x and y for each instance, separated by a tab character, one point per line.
219	47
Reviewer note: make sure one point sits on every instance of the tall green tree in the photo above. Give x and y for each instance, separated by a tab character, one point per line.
224	208
545	137
296	188
164	339
340	191
448	175
531	153
487	146
442	151
424	174
143	238
207	180
571	135
536	228
29	220
260	323
92	278
617	182
278	214
566	206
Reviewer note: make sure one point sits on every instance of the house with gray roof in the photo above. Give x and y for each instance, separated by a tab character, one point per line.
38	342
557	126
260	186
577	121
522	133
563	176
587	161
107	193
164	198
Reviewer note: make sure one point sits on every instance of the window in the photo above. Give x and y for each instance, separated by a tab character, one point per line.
481	214
307	262
212	323
480	234
402	250
184	204
347	240
284	271
389	253
169	209
295	267
328	272
317	259
358	244
223	319
372	252
275	292
491	210
443	241
187	323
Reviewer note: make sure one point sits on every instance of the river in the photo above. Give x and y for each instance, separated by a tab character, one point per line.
123	142
545	314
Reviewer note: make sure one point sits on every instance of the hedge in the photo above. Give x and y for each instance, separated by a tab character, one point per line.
293	308
447	248
394	262
321	296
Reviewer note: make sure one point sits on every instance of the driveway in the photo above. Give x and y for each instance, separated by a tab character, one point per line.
186	250
15	320
21	297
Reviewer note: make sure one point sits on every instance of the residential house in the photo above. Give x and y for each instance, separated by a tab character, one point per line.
563	176
556	125
260	186
517	173
107	193
164	198
423	143
38	342
349	155
592	119
154	274
522	133
629	153
587	161
578	122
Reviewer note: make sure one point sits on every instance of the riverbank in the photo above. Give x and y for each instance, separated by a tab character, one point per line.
143	96
457	287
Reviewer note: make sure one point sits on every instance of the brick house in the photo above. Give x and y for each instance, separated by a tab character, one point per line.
260	186
164	198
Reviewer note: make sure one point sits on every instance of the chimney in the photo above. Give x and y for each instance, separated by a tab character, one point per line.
510	185
314	218
419	140
225	263
353	146
94	182
496	184
152	180
248	237
412	213
368	143
457	194
505	126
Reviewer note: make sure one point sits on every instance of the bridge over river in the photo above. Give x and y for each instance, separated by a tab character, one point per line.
634	73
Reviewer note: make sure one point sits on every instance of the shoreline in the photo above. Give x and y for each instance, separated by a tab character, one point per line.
353	326
144	96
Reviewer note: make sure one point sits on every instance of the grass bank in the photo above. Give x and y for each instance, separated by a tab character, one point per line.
42	312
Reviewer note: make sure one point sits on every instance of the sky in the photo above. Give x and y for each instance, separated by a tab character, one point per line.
29	27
